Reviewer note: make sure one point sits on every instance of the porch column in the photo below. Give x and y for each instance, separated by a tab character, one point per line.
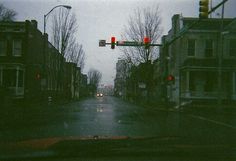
17	80
187	83
234	86
1	71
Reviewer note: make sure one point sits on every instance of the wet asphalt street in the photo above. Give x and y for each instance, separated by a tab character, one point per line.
110	116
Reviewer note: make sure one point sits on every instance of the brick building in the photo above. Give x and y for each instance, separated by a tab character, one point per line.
31	69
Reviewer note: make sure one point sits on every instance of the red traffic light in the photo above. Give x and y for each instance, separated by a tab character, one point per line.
146	40
113	42
170	78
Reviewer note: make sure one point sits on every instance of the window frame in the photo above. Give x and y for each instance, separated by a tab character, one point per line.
207	48
16	48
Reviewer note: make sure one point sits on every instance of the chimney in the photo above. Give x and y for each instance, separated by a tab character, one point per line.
175	23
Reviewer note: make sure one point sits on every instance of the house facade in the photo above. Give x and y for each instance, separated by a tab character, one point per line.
20	60
202	60
31	68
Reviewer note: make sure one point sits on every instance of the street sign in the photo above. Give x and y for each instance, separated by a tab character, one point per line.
102	43
129	43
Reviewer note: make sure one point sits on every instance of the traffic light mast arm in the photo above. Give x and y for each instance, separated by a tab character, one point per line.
155	45
133	43
113	43
217	6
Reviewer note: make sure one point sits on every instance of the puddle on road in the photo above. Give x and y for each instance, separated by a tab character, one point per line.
99	109
123	122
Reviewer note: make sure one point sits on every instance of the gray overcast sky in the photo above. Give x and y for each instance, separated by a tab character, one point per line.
101	19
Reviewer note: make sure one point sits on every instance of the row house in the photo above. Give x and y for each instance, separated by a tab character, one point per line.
202	61
21	58
120	79
31	68
72	77
83	88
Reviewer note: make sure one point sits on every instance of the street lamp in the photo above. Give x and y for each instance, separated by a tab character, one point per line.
45	16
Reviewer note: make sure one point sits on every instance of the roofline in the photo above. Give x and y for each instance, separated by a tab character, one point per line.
208	19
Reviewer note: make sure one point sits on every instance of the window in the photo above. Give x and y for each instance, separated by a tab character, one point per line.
209	48
192	77
232	47
17	48
3	48
191	47
9	77
20	78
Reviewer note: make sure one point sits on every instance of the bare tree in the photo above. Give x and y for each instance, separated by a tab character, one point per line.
94	77
7	14
75	54
64	27
142	23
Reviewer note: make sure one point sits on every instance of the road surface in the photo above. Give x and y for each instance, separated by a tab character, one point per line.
110	116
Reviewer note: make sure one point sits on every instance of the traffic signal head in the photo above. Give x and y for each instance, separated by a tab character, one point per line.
146	42
113	42
170	78
203	9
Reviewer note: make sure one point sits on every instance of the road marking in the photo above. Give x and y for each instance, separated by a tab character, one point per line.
213	121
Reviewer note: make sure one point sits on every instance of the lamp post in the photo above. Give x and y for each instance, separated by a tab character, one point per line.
45	16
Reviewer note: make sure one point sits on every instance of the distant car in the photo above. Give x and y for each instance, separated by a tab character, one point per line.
99	95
